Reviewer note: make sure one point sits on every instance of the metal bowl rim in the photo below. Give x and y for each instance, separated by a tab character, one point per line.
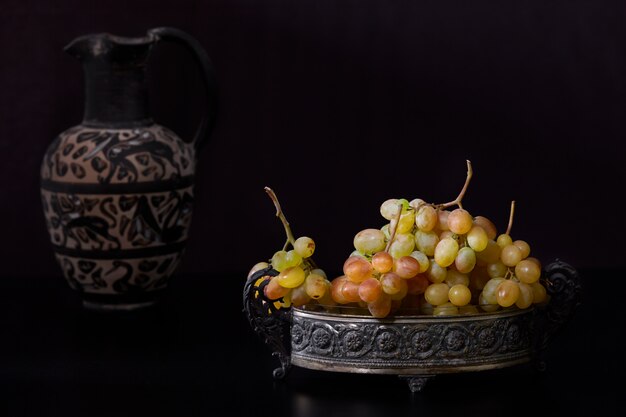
321	315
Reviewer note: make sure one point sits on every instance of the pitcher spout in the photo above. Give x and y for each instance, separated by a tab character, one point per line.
101	45
116	91
88	46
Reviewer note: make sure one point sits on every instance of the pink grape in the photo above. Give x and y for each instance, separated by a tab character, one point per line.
406	267
382	262
370	290
460	221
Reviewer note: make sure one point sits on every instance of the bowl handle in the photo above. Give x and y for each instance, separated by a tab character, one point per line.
271	324
564	288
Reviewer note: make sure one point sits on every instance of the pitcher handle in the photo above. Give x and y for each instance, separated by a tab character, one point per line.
207	123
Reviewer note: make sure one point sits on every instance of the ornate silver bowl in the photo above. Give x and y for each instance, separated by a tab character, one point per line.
413	347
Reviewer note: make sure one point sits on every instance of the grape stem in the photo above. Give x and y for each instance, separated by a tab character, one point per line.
509	274
279	213
457	201
392	236
511	214
290	239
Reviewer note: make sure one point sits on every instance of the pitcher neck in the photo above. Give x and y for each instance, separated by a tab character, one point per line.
115	96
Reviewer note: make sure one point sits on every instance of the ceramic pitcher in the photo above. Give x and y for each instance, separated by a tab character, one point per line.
117	189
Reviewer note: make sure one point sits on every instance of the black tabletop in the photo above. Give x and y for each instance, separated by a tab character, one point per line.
195	354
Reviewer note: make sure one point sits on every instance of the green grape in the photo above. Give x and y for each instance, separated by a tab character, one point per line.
525	296
486	306
315	285
446	251
257	267
539	292
357	269
535	260
416	203
293	259
381	307
454	277
405	204
403	244
426	242
497	269
490	290
437	294
406	223
460	221
386	232
291	277
382	262
448	234
359	254
426	218
527	271
524	247
446	309
465	260
392	283
319	272
507	293
370	290
477	238
327	299
422	259
459	295
279	261
369	241
304	246
389	208
490	255
273	290
487	226
299	296
504	240
511	255
406	267
436	273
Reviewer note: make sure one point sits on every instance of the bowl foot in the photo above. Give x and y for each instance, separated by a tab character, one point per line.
94	306
120	303
417	382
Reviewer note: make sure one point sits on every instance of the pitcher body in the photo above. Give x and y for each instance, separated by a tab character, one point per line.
117	189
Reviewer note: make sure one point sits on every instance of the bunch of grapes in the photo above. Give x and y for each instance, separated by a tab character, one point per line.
298	281
433	260
292	276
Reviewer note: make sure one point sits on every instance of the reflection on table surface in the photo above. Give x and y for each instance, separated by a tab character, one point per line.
195	354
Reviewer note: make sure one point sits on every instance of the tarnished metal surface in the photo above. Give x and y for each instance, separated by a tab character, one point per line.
415	348
269	323
416	345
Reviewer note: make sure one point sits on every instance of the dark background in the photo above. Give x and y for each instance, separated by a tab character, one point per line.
337	105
